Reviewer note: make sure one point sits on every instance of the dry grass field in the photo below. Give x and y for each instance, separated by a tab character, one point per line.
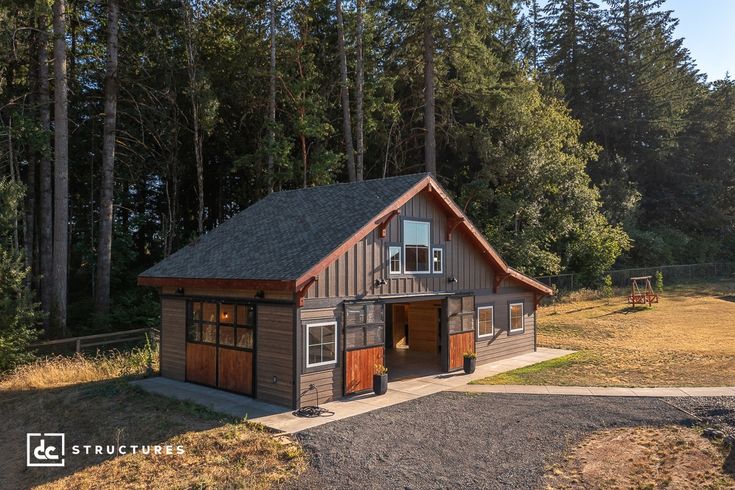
687	339
644	457
90	401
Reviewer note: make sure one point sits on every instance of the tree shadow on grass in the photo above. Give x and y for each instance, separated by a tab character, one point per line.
626	310
96	413
729	465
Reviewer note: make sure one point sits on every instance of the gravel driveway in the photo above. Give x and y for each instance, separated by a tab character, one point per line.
453	440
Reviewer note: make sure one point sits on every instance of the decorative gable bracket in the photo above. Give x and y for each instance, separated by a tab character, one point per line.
452	224
499	278
383	224
301	291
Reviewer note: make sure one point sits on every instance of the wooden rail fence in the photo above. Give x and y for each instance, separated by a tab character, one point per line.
102	339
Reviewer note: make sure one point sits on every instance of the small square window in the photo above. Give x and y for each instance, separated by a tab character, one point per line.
245	315
226	336
321	344
226	314
437	264
245	338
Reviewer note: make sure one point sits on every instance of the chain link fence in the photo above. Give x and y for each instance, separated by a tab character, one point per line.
673	274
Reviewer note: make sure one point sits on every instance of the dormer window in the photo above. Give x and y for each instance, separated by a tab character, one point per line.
416	243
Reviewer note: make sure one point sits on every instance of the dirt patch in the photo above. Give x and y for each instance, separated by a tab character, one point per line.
644	457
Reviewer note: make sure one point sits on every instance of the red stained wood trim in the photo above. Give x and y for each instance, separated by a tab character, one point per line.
264	284
459	344
360	367
529	281
383	225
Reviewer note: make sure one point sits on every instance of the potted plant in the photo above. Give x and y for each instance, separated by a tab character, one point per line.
380	379
470	362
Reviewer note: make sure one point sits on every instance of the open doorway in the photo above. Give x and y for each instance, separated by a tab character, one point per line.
413	339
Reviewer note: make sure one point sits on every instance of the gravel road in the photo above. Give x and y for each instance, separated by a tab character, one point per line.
460	440
715	411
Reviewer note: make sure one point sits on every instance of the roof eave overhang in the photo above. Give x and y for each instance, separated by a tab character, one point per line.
218	283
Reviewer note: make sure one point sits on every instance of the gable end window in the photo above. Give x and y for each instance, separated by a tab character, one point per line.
394	260
416	239
437	260
321	344
485	321
515	315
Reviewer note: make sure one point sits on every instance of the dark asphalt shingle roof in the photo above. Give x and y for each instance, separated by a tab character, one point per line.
283	235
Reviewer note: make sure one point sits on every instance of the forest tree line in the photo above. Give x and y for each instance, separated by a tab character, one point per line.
577	135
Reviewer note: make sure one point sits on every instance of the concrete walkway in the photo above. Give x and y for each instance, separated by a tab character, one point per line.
405	390
283	419
600	390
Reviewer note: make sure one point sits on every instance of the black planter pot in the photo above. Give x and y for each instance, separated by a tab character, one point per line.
380	383
470	364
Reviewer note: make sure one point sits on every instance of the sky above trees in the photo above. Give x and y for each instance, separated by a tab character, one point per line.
707	27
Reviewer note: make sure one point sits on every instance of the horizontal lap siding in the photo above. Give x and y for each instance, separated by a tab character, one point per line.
327	382
274	354
503	345
173	338
354	273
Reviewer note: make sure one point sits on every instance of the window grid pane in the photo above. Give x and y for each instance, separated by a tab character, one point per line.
437	256
322	343
395	259
485	321
516	317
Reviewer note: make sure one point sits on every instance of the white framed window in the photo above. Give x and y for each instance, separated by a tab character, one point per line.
437	260
416	239
485	321
515	315
321	344
394	260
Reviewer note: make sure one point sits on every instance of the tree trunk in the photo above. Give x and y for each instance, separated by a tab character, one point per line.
29	218
272	97
191	68
61	172
345	95
359	95
45	238
429	117
104	247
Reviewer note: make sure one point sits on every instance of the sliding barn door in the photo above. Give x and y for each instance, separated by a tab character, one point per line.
220	341
461	329
364	344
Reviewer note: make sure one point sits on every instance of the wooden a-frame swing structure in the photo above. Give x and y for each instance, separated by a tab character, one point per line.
641	296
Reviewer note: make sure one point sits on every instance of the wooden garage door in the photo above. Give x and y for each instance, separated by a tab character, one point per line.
364	345
461	326
220	345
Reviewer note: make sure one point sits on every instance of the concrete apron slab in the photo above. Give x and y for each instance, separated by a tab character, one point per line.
238	406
